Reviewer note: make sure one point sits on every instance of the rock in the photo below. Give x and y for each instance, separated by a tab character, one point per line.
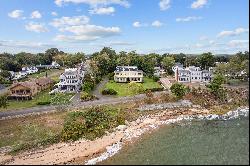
121	127
138	121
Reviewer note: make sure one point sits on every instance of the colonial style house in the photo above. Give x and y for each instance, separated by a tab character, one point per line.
28	89
128	74
71	80
192	74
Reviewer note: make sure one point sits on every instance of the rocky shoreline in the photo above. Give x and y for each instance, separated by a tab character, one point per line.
91	152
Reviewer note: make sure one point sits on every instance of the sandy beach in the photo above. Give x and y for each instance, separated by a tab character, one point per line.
62	153
91	152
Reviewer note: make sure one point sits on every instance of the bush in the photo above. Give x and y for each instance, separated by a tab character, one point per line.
43	103
3	101
135	87
111	76
179	90
92	123
109	92
155	78
88	86
155	89
234	82
85	96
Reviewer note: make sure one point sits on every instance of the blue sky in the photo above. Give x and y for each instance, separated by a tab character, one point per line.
161	26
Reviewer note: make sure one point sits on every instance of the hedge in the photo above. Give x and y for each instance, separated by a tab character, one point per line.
109	92
43	103
155	89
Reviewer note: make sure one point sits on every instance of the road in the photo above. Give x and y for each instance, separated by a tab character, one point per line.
75	105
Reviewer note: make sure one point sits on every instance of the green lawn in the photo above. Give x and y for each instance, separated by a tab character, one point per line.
53	73
42	96
123	88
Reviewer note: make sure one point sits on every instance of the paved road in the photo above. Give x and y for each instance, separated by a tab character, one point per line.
99	87
73	105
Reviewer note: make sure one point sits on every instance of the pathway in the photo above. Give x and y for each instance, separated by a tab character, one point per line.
98	88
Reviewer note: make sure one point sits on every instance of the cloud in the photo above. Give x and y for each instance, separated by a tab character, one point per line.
157	23
202	38
137	24
36	14
25	44
238	43
16	14
66	21
102	11
87	32
81	30
198	4
164	4
94	3
36	27
92	30
187	19
235	32
54	13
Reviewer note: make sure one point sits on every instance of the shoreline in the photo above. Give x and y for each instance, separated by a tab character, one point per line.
92	152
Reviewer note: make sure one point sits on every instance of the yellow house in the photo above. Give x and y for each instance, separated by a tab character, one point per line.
128	74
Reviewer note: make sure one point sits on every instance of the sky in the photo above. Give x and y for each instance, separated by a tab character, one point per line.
146	26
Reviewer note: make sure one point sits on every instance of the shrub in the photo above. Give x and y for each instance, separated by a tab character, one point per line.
155	89
88	86
234	82
111	76
43	103
109	92
3	101
92	123
179	90
136	87
155	78
85	96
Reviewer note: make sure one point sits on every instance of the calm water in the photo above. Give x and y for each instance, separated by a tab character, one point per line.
197	142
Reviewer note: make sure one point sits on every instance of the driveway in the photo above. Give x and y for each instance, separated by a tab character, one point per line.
98	88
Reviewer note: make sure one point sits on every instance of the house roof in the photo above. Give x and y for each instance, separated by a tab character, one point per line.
27	84
43	81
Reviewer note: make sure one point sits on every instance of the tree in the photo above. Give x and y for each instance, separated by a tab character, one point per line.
5	74
3	101
179	90
206	60
216	88
168	63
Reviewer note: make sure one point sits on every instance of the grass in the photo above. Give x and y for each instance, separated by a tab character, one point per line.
42	96
123	88
32	131
50	72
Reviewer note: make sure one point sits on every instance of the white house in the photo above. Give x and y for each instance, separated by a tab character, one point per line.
193	74
70	81
128	74
55	65
30	70
158	71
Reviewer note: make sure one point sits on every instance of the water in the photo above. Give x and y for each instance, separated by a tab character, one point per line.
195	142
